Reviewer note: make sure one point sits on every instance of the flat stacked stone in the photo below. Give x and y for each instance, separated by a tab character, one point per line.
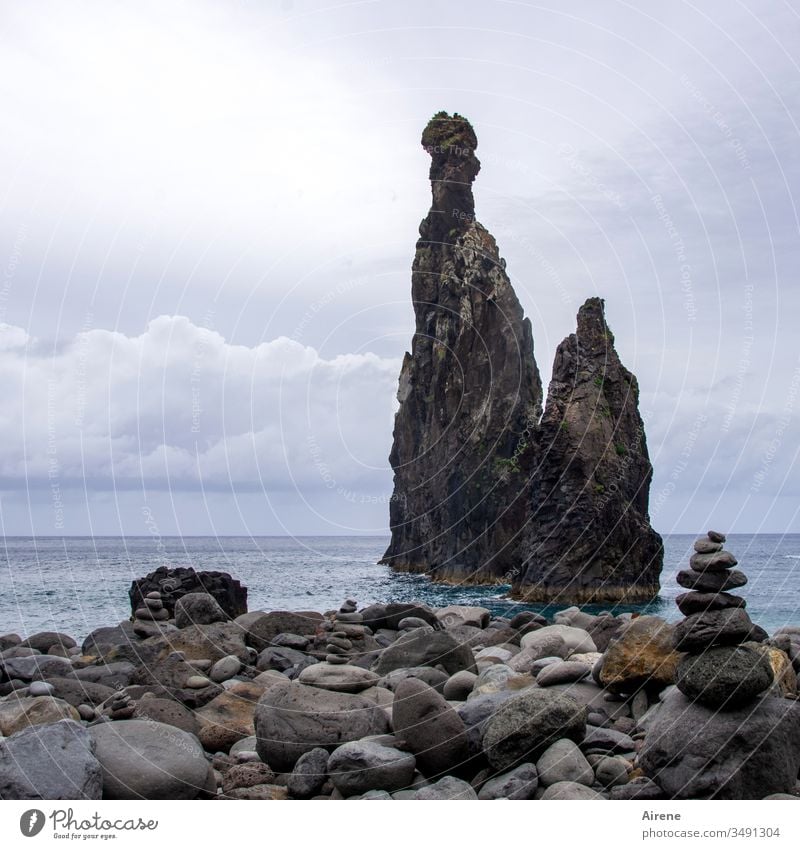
347	626
717	670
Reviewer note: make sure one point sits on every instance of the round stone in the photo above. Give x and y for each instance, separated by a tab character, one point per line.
565	672
716	536
711	582
696	602
40	688
196	682
564	761
142	759
728	676
225	668
715	562
706	546
361	766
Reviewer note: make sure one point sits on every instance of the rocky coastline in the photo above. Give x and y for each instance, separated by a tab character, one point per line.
196	698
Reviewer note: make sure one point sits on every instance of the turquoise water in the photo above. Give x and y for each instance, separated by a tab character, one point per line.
75	584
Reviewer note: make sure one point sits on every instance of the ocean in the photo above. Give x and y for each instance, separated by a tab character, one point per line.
76	584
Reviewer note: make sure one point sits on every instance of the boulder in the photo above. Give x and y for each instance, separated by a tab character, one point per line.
198	609
432	677
360	766
696	602
572	791
575	639
18	712
251	774
291	719
725	676
430	728
642	656
519	783
77	692
695	752
263	629
459	686
461	614
446	788
229	717
566	672
564	761
142	759
53	761
418	648
523	727
711	582
167	712
203	642
172	584
712	628
600	739
309	774
225	669
341	678
46	640
36	667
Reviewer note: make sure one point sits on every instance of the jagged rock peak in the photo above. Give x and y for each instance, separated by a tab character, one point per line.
589	536
451	142
469	390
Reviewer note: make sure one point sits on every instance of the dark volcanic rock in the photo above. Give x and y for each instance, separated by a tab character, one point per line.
712	628
696	602
469	391
724	677
174	583
711	582
588	538
695	752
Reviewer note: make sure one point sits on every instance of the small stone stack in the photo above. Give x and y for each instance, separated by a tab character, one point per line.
153	609
149	618
718	670
346	628
119	706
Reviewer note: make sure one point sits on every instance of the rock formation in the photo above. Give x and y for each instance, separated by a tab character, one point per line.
469	391
483	490
588	536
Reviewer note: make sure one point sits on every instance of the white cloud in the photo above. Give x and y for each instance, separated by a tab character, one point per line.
177	407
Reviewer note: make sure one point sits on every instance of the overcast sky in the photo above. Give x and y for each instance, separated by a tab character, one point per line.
208	213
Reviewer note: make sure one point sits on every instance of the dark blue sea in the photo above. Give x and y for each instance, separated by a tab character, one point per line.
75	584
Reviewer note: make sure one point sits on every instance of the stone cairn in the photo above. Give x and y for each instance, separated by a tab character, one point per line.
346	628
151	617
725	667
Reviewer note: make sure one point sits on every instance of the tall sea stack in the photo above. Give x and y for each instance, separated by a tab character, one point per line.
588	535
486	489
470	393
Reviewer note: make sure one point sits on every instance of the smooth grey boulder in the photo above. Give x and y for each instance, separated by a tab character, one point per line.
606	740
425	648
53	761
360	766
309	774
695	752
567	672
712	628
523	727
445	789
36	667
198	609
142	759
519	783
564	761
459	686
430	727
432	677
292	718
342	678
570	790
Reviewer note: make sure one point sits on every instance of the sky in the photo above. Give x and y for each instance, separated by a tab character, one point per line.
208	213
